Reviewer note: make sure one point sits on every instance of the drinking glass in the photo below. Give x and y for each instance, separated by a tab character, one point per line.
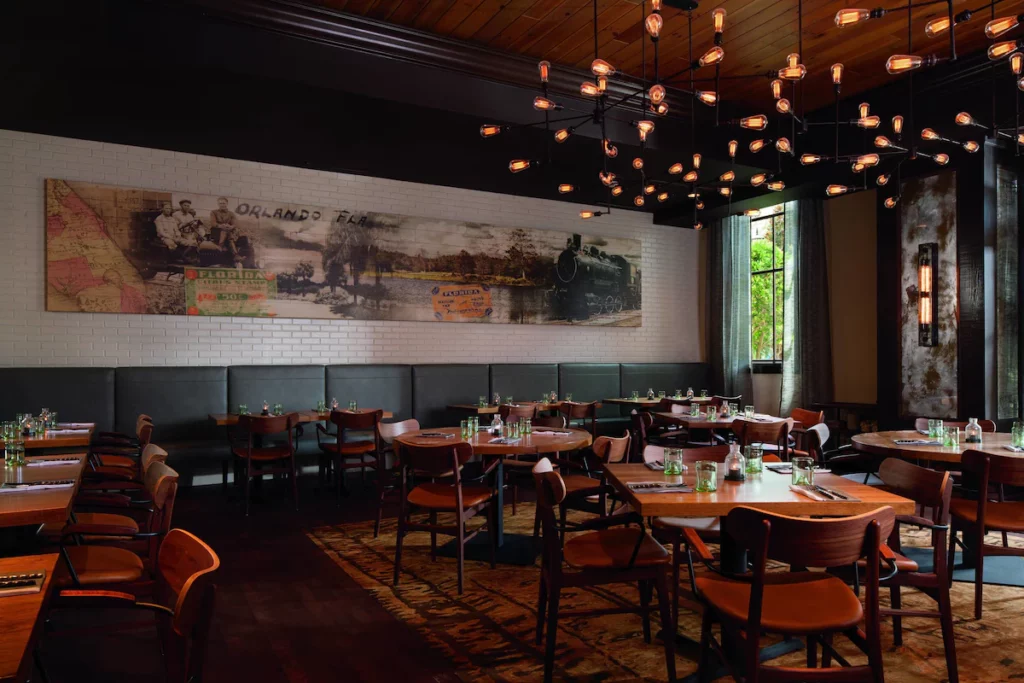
748	412
755	458
707	476
940	431
53	419
243	409
465	428
712	413
694	410
568	397
278	409
528	425
1017	435
474	425
508	400
661	394
734	409
803	471
678	394
951	437
703	393
553	396
482	401
673	461
635	396
497	398
353	406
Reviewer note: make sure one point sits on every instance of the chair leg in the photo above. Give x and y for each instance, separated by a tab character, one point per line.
492	536
948	641
552	641
224	476
295	485
704	663
979	573
826	653
645	606
677	549
398	542
542	602
897	621
668	625
536	525
248	482
433	537
812	651
952	552
381	490
461	539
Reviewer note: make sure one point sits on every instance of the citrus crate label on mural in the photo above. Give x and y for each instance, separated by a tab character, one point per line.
229	291
130	250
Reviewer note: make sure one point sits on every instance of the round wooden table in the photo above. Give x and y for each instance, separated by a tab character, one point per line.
883	443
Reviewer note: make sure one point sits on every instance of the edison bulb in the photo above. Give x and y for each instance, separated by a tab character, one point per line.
562	135
882	142
599	67
898	64
489	130
675	169
690	177
656	93
712	56
727	177
851	16
517	165
929	134
834	190
782	145
708	97
757	122
782	106
890	202
972	146
732	148
653	24
565	188
937	26
837	73
777	186
998	27
758	179
808	159
756	146
776	85
638	163
941	159
638	200
882	179
897	124
718	17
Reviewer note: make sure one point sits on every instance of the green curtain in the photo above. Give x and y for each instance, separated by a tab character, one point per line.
728	306
807	340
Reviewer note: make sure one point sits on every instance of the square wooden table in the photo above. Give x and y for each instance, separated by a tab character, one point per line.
492	409
21	617
768	491
24	508
53	438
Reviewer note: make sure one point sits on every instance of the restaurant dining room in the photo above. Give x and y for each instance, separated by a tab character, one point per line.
481	341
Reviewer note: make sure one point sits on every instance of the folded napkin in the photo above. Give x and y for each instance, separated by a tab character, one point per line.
658	487
915	442
1014	449
45	462
923	432
505	440
38	486
544	431
810	493
76	425
67	431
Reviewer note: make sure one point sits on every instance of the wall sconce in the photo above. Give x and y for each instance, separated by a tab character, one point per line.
927	261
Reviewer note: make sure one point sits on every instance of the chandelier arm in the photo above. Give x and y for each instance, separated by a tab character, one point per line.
559	120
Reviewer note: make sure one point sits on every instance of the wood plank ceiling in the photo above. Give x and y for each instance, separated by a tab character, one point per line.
758	36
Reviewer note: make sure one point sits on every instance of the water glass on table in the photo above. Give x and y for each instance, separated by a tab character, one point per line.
755	458
951	437
803	471
748	412
694	410
353	406
243	409
661	394
278	409
634	396
673	462
712	413
935	429
707	476
508	400
465	428
1017	435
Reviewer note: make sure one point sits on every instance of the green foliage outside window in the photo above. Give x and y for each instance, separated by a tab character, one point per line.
767	242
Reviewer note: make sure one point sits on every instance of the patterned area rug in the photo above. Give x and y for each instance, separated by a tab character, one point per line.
488	631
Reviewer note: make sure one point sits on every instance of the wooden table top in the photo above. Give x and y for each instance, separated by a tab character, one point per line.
24	508
491	409
703	423
305	416
644	402
882	443
537	442
21	617
768	491
50	439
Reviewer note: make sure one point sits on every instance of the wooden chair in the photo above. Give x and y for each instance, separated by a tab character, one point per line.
810	441
387	474
450	496
550	422
110	519
274	458
184	596
114	449
582	413
120	478
814	605
933	490
610	553
975	517
807	418
528	410
774	436
342	452
987	426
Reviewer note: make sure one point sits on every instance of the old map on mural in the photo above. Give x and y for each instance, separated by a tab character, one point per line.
126	250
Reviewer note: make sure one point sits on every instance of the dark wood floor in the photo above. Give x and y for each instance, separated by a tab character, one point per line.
285	611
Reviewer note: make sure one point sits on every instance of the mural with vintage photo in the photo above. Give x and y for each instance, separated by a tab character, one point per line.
127	250
929	373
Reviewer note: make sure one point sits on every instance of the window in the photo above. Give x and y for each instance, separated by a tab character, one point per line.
767	282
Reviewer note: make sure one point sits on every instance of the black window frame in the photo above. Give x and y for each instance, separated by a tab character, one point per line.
773	366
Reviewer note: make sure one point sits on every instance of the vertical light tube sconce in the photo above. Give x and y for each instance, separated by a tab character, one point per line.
927	279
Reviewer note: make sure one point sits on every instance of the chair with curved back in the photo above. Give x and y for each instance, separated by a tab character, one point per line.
449	496
581	414
342	451
184	594
527	410
387	474
120	478
807	418
810	441
114	449
610	553
973	518
814	605
773	436
550	421
273	458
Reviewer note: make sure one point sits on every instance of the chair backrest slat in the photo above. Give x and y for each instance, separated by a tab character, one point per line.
436	461
987	468
930	488
750	432
389	430
808	418
609	449
690	455
506	410
359	420
267	424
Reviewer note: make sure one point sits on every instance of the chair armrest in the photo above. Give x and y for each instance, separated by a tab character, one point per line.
889	557
697	545
922	522
598	523
79	528
104	599
98	499
108	473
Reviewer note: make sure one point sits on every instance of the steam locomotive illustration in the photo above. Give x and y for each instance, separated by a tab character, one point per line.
590	282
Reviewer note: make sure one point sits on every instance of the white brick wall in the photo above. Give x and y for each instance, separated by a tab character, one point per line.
31	336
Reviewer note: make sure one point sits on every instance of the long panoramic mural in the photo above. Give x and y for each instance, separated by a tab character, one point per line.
128	250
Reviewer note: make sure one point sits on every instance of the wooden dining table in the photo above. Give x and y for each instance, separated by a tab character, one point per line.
540	442
884	444
492	409
21	617
305	416
645	403
40	506
702	421
59	438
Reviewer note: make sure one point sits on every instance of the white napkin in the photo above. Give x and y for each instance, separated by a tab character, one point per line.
76	425
505	440
6	488
915	442
44	462
544	431
1014	449
67	431
813	495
